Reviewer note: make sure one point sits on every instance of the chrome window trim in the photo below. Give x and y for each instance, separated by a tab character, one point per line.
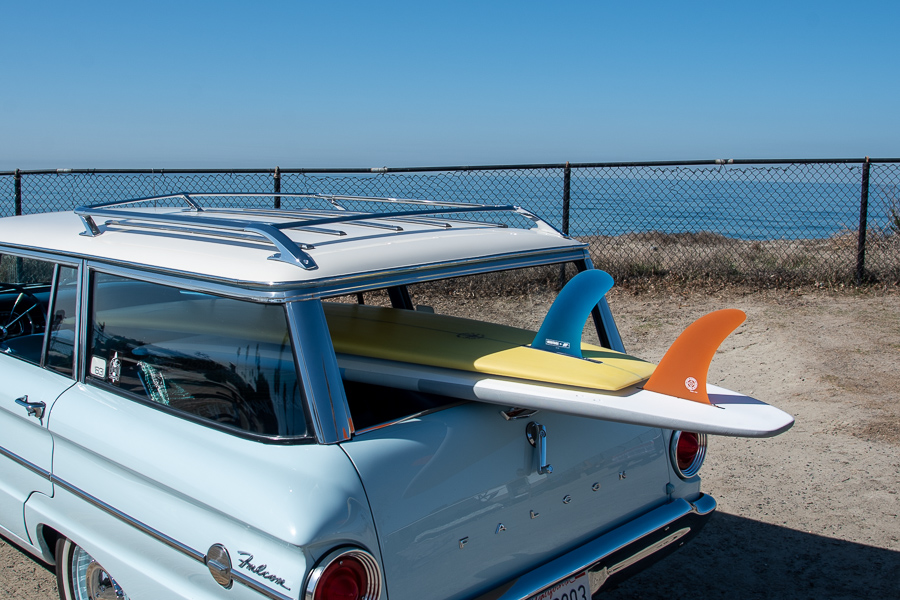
40	254
76	350
58	260
317	366
274	440
85	316
411	416
350	284
161	537
48	318
80	305
181	280
331	286
84	292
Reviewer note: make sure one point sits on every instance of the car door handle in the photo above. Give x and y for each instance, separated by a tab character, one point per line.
537	437
35	409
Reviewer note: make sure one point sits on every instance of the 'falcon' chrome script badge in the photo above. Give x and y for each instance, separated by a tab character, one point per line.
260	570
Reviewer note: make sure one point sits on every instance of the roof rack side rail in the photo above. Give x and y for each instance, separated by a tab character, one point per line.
539	223
390	200
193	205
333	198
289	251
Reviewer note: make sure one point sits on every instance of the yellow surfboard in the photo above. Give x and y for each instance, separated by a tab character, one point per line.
464	344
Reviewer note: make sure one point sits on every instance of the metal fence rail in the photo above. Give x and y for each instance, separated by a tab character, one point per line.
765	221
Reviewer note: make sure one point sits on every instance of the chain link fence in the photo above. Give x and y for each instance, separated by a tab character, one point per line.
764	222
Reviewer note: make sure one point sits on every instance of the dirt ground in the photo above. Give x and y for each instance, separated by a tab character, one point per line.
812	513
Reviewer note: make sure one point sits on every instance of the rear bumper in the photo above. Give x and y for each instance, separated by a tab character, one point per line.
618	554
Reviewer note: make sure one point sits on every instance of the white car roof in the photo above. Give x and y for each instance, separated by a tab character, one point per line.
354	248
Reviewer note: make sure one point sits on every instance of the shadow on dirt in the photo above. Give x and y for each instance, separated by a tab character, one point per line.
735	557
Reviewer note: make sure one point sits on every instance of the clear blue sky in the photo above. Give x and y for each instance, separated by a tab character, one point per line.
298	84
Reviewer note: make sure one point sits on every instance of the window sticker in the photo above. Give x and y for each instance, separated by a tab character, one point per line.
115	368
98	367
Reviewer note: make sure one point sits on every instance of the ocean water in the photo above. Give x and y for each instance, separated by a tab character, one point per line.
752	204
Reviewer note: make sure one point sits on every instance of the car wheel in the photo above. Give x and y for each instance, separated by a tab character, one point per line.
80	577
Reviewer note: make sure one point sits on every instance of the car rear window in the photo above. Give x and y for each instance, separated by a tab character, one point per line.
225	361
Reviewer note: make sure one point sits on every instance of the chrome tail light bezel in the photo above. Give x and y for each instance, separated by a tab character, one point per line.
696	463
368	562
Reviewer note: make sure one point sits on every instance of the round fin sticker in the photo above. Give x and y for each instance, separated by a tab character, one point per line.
691	384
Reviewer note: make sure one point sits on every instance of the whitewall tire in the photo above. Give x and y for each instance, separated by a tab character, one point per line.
80	577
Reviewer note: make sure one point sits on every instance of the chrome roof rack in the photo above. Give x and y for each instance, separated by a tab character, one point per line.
197	220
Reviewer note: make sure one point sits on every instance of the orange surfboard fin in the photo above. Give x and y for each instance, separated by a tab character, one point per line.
682	371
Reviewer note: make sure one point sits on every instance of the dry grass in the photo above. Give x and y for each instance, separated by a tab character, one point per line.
690	257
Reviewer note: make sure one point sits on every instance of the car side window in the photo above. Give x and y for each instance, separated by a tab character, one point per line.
61	348
228	362
25	285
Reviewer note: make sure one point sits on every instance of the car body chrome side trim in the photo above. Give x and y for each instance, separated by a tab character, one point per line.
258	587
154	533
161	537
25	463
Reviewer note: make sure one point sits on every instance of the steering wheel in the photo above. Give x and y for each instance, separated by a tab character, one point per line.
25	317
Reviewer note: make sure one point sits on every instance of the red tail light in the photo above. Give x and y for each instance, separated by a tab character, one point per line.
687	451
346	574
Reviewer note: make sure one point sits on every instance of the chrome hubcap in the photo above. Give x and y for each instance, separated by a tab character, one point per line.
90	581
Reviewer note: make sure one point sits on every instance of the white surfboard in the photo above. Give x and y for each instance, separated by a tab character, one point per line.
552	370
729	414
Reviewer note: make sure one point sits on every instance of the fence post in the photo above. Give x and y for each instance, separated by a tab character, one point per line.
567	186
863	223
17	179
277	187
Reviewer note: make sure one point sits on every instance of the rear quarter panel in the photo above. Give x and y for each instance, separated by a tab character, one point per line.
283	504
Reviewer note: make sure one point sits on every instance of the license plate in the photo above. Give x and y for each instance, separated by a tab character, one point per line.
576	587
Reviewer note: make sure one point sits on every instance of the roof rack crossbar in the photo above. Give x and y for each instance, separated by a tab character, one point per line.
403	213
284	212
330	197
287	213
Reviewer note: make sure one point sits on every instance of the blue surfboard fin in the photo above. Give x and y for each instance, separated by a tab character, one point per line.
562	327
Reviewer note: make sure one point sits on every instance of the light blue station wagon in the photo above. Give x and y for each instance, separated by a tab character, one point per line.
176	423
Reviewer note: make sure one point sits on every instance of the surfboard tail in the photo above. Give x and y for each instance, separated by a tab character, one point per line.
683	370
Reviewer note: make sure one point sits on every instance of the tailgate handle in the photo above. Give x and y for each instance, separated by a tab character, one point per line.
35	409
537	437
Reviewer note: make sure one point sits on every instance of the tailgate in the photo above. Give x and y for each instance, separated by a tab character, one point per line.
460	507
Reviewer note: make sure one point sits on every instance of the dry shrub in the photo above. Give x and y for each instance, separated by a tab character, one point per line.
523	282
825	262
